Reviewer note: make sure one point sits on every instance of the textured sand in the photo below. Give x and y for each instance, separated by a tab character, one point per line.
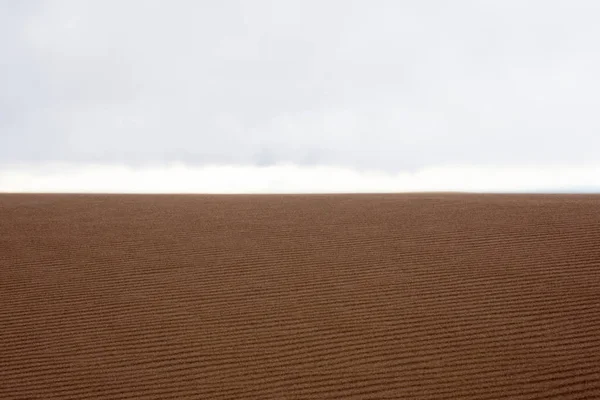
435	296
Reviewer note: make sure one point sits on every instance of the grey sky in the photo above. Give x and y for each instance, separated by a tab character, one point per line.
390	85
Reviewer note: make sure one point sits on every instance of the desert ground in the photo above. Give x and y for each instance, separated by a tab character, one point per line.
372	296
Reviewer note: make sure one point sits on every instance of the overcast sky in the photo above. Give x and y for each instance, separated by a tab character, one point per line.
264	92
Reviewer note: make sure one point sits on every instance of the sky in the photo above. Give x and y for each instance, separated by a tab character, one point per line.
299	96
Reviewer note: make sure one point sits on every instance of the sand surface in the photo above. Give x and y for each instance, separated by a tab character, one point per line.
423	296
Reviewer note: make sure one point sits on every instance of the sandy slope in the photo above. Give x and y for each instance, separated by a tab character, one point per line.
280	297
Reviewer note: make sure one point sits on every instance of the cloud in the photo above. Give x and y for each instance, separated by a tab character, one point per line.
179	178
382	85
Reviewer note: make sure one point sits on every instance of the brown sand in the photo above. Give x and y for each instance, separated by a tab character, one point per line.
436	296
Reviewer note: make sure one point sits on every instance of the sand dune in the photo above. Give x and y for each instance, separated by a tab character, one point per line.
424	296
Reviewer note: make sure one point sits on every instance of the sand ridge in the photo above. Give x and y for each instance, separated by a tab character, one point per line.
374	296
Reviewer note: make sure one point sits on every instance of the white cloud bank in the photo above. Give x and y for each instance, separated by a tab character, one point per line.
288	178
386	85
